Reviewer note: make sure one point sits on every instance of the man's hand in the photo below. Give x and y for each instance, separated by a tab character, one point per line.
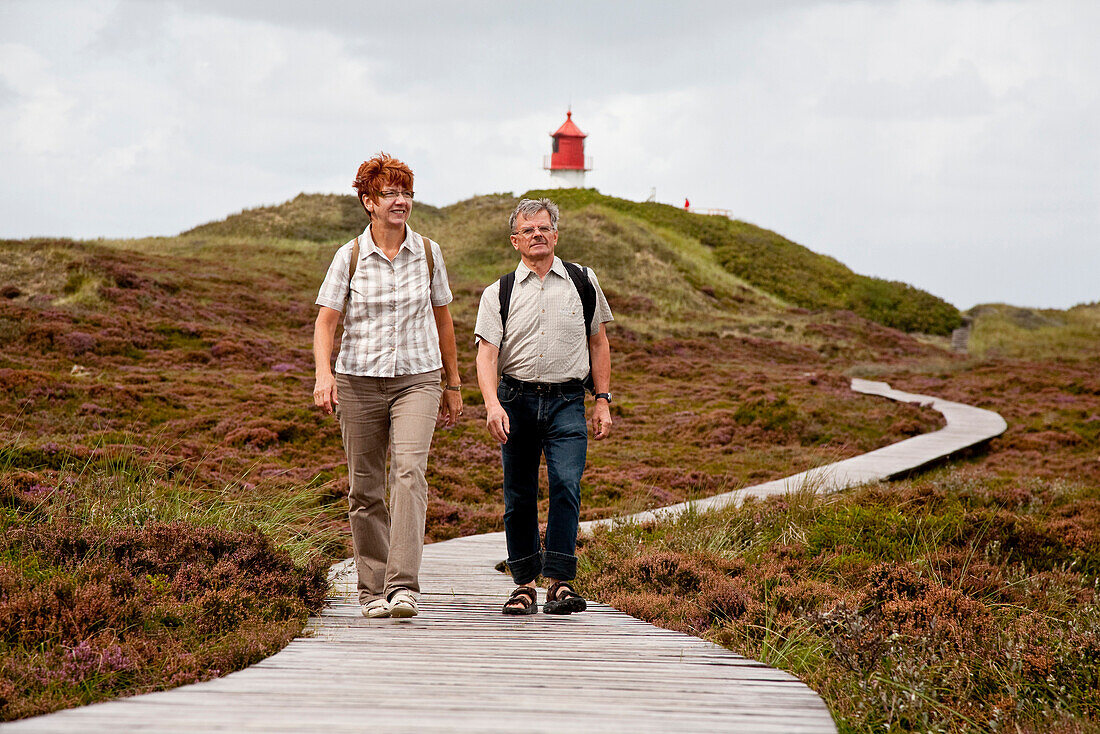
324	393
450	407
601	420
496	421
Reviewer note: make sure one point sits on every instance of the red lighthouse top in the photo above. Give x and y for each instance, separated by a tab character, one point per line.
569	128
568	147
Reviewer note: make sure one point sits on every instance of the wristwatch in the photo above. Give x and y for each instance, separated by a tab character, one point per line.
605	395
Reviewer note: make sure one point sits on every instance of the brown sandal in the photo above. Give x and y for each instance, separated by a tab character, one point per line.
562	599
522	601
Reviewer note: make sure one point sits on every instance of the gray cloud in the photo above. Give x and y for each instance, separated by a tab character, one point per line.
942	143
962	93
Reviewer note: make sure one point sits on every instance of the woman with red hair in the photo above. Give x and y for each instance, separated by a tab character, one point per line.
390	284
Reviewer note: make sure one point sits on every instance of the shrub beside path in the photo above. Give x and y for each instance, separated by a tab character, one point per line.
462	666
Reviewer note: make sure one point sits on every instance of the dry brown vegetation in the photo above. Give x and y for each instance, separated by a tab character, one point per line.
160	389
962	600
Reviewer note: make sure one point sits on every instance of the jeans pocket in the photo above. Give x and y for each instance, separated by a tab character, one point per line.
569	397
506	393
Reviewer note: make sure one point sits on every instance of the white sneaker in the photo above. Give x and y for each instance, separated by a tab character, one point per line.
376	608
403	604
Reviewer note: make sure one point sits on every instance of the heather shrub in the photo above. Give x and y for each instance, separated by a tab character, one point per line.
118	575
89	613
929	605
184	401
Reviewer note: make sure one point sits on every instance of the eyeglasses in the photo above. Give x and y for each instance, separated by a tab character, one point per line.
530	231
390	195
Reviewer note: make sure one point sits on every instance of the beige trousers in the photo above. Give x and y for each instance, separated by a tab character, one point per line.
395	415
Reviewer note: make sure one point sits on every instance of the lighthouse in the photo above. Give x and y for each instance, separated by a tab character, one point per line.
567	163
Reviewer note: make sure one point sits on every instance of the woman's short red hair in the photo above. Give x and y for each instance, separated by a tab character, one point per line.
382	170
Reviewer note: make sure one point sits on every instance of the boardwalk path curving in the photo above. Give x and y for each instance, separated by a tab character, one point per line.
461	666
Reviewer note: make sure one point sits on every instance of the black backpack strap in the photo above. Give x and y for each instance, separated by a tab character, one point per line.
586	290
507	282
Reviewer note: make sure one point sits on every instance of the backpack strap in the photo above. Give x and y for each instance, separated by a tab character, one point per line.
352	265
585	290
507	282
430	258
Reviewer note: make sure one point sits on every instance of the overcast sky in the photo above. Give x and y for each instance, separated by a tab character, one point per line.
952	145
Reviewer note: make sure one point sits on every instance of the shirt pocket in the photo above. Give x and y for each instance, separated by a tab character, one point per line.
367	303
570	326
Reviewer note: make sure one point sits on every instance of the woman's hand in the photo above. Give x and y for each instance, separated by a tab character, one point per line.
324	393
450	407
324	332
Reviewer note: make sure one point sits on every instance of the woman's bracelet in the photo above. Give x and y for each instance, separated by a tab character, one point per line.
456	388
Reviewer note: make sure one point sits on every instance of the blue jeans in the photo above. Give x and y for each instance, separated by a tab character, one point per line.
544	420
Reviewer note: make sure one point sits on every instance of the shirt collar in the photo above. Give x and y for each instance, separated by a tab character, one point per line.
367	246
522	271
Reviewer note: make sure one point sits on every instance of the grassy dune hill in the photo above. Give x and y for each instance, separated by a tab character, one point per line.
783	268
642	238
1002	330
165	479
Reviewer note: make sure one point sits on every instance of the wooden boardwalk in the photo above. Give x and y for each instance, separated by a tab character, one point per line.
461	666
966	427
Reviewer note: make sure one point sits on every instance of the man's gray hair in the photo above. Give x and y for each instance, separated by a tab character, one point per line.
530	207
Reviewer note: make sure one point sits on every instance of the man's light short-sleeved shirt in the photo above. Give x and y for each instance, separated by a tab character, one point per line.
389	327
545	340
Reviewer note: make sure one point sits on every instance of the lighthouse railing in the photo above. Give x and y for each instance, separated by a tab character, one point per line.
586	166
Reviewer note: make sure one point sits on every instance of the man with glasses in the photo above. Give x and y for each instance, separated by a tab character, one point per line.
541	338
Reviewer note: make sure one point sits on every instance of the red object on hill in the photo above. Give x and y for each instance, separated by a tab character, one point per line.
687	204
568	151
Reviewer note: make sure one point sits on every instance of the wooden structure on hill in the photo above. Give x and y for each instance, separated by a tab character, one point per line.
960	337
712	212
